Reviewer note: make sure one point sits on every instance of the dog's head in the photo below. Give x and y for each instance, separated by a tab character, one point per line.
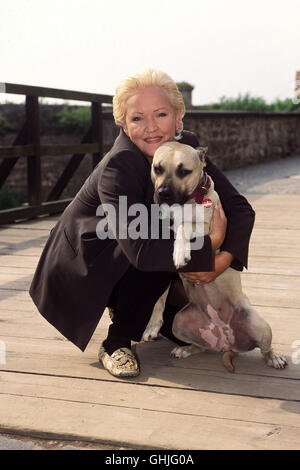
176	171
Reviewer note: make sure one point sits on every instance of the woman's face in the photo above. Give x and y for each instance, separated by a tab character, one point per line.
150	119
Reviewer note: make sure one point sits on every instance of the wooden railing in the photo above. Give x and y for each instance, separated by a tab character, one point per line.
27	145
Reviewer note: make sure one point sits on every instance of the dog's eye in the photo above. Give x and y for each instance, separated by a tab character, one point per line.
158	169
182	172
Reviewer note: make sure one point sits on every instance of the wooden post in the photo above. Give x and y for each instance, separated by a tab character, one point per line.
97	131
69	170
33	161
8	164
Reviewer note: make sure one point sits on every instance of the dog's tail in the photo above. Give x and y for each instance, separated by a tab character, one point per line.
227	360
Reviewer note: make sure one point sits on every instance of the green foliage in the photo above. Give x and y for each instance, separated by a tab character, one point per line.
245	103
284	106
5	125
75	120
9	199
251	104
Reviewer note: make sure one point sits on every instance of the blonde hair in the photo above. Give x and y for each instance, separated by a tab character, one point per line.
144	79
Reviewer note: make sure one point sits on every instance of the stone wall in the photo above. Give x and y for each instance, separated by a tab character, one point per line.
234	140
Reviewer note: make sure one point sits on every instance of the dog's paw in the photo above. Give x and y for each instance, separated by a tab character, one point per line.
152	331
181	253
276	360
181	352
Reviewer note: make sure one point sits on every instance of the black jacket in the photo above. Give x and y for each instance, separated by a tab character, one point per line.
77	271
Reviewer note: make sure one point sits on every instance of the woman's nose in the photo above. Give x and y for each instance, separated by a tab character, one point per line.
151	125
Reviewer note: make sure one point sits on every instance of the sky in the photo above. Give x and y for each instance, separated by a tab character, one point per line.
222	48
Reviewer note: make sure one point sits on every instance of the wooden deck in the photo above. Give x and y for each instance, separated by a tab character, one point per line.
48	388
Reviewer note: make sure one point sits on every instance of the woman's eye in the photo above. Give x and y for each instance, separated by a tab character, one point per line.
162	115
136	119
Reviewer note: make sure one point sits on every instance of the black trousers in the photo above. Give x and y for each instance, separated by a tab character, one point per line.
133	299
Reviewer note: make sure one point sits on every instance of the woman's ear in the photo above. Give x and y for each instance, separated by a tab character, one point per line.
178	120
124	127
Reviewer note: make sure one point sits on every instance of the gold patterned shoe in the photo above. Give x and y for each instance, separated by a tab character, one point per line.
122	362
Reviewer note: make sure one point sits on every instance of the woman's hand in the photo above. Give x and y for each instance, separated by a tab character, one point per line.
222	262
219	225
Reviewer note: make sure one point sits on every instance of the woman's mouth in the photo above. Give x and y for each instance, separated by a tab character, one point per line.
153	140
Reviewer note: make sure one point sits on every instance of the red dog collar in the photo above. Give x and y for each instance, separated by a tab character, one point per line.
201	190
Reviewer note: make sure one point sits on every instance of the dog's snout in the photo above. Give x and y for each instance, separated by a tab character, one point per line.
164	191
165	194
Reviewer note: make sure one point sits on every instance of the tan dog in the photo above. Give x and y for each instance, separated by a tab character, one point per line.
218	316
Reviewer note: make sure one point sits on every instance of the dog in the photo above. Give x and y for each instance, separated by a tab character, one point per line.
219	315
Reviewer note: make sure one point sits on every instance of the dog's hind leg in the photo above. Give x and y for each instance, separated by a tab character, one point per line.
263	337
272	358
185	326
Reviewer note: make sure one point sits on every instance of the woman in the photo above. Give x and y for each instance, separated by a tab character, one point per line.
79	274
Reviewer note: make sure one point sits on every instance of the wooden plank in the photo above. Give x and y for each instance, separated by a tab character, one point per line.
108	424
19	261
50	207
39	223
274	265
273	297
274	201
23	242
13	248
7	165
97	131
34	177
268	426
16	151
270	281
17	270
54	355
12	281
13	88
287	251
16	232
69	170
277	237
169	400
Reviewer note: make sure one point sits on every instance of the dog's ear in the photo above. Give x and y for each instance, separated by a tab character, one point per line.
202	152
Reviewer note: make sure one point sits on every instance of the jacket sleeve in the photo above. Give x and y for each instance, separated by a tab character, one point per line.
125	174
240	218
